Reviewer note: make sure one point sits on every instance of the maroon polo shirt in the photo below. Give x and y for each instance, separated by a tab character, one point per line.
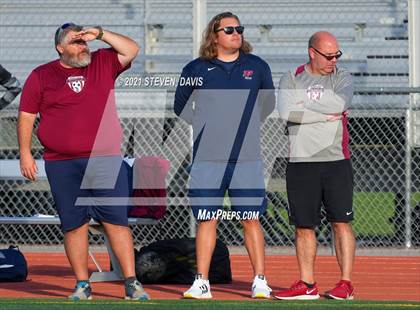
78	116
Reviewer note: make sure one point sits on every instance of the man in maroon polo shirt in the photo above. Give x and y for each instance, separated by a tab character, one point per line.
81	134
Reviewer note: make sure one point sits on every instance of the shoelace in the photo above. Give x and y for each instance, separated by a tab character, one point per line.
201	285
81	285
297	286
343	285
262	283
135	285
199	282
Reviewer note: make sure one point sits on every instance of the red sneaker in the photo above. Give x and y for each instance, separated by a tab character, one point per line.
299	291
342	290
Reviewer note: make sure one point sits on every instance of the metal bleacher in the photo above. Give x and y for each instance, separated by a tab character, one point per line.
372	33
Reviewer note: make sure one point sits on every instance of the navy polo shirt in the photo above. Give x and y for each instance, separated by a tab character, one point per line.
226	107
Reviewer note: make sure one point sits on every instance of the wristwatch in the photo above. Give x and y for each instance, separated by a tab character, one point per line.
100	34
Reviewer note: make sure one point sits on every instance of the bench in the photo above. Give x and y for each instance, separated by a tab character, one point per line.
9	169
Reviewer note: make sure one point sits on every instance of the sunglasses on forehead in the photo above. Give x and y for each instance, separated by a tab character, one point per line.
63	27
329	57
61	30
66	25
230	29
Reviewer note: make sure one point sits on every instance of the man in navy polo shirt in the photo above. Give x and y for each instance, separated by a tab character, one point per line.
225	95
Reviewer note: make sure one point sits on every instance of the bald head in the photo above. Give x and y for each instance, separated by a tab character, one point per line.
322	37
323	51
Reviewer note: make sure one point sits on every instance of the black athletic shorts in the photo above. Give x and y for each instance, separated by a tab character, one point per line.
309	184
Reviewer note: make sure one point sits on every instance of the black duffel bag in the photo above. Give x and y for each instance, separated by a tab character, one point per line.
173	261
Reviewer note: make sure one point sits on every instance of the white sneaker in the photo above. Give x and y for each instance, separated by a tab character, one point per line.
200	289
260	288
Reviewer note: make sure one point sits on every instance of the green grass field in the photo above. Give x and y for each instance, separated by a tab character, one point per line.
31	304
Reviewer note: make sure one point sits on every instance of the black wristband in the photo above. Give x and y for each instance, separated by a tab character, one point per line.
100	34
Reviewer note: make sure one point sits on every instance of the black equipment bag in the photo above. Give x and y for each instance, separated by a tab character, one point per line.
173	261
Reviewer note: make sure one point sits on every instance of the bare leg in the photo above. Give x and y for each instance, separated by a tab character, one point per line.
345	247
205	242
121	243
306	253
254	243
76	245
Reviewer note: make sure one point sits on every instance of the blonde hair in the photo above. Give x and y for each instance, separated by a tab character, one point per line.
208	48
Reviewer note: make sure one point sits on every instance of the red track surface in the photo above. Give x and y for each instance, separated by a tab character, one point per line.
375	278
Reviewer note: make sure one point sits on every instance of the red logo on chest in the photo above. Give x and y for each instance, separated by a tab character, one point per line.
248	74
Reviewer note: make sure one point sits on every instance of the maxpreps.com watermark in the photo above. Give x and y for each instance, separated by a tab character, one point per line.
205	215
133	81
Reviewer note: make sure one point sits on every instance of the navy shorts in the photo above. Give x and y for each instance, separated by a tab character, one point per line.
86	188
310	184
243	181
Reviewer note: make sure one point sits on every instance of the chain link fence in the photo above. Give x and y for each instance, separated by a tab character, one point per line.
373	38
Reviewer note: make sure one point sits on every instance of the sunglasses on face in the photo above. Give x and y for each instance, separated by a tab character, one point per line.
329	57
231	30
79	42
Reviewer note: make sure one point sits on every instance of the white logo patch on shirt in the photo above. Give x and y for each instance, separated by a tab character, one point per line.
76	83
315	92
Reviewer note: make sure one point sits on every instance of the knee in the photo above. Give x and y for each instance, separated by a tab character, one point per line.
250	224
78	231
341	228
113	230
210	224
305	232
